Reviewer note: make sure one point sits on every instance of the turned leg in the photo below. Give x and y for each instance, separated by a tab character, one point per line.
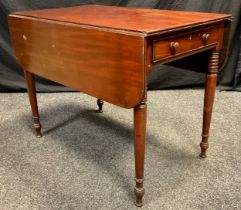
140	113
30	82
100	105
210	88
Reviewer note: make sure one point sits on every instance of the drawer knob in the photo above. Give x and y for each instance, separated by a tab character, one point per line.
205	37
174	46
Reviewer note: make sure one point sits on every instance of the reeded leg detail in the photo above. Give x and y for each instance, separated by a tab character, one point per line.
100	105
140	113
29	78
210	88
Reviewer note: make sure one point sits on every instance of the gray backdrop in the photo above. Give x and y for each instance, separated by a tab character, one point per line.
11	75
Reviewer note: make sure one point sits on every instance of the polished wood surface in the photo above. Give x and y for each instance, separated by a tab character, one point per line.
181	44
129	19
108	52
30	83
210	87
106	65
140	115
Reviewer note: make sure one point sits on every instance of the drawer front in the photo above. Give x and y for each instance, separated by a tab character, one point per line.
179	45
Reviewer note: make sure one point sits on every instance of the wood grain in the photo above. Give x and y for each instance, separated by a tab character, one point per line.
108	52
210	87
187	42
129	19
106	65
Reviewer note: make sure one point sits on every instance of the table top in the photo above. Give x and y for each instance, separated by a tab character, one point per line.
107	52
122	18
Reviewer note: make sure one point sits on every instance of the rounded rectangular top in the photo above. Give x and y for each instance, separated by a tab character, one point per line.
138	20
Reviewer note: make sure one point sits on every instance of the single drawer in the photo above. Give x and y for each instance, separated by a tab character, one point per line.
185	43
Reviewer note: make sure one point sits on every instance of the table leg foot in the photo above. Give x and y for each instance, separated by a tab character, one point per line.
139	192
210	88
100	105
203	154
204	147
37	127
30	83
140	113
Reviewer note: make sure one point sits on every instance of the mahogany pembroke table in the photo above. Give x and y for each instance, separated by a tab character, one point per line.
108	52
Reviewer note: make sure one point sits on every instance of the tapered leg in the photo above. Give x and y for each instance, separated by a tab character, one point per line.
140	113
100	105
30	82
210	88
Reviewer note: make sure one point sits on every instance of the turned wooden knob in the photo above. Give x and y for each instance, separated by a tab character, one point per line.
205	37
174	46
